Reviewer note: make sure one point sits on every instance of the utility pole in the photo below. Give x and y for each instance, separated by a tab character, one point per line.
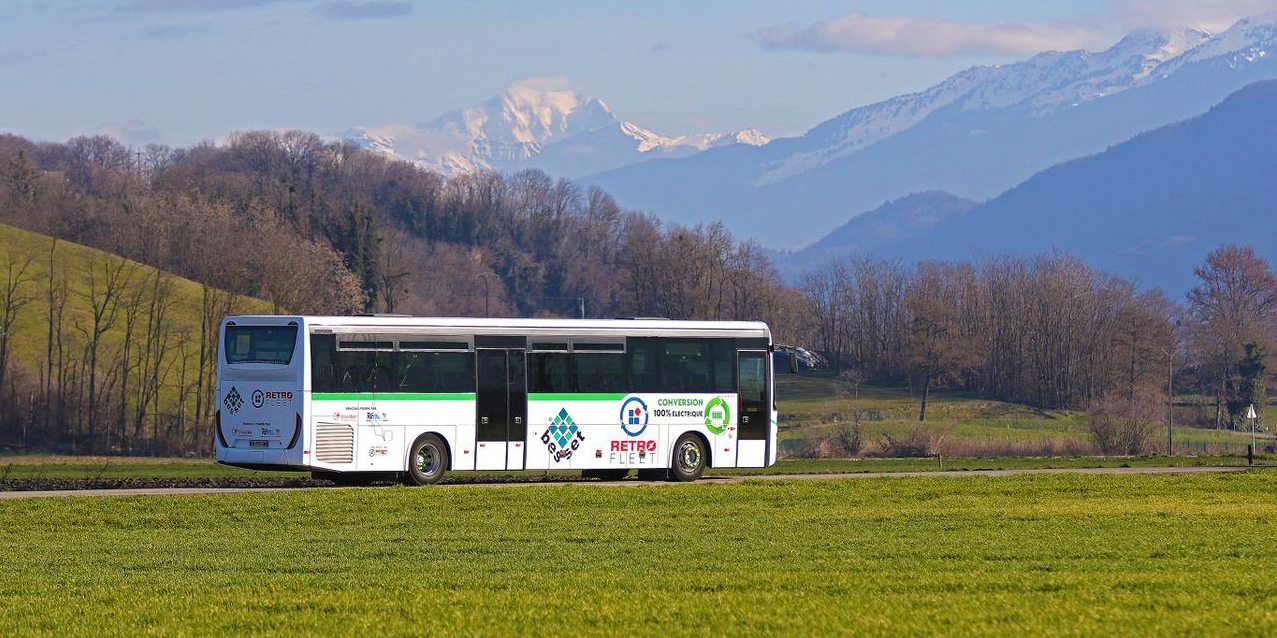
580	302
484	276
1170	401
1170	390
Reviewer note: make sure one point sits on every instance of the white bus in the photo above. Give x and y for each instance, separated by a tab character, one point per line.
357	398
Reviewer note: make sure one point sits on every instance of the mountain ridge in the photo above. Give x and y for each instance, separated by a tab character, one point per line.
1147	208
974	140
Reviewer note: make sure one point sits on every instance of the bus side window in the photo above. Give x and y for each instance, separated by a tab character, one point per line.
549	372
724	364
355	370
434	372
322	375
643	357
685	366
599	372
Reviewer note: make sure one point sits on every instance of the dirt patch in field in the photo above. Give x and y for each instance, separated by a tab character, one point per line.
34	484
28	484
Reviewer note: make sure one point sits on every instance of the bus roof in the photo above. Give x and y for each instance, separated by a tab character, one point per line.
501	326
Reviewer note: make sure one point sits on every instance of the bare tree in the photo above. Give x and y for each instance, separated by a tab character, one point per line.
936	344
1234	303
107	278
17	274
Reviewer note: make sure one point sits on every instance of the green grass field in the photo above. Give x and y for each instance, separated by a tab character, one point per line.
815	409
1058	554
71	467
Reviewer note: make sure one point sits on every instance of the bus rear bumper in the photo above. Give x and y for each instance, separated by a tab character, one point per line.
260	459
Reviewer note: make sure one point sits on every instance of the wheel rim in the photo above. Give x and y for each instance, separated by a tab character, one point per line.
427	460
689	456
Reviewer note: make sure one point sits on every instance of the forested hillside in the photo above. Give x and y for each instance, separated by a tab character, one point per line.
101	352
315	226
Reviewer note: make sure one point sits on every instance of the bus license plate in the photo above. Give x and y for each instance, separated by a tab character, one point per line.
259	444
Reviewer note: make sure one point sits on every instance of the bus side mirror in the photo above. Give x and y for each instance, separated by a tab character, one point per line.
793	362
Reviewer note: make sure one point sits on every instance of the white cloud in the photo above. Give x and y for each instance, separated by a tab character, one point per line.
925	37
1210	15
929	37
167	6
132	133
544	83
346	10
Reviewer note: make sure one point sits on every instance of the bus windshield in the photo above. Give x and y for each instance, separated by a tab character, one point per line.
260	344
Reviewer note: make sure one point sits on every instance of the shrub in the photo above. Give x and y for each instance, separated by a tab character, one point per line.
1126	423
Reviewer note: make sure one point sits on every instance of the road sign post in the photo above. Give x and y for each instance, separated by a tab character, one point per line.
1250	414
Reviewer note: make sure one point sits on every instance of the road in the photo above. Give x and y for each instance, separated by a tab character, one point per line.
194	491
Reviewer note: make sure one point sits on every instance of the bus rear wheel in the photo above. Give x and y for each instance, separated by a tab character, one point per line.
689	458
427	460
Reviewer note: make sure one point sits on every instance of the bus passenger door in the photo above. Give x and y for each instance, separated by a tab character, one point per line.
754	408
491	409
517	391
501	405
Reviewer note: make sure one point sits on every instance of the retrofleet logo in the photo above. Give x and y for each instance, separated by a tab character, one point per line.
273	399
632	452
634	415
563	437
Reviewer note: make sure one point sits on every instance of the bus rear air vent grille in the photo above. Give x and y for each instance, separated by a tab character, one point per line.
334	443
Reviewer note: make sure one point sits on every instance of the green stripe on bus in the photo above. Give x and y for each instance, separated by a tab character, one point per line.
397	396
577	396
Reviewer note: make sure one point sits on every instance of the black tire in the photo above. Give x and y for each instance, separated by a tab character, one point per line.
427	460
688	461
606	474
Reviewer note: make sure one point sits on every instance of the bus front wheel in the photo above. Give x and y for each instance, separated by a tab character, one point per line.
427	460
689	458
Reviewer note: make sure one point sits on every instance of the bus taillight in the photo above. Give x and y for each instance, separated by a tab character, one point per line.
217	427
297	432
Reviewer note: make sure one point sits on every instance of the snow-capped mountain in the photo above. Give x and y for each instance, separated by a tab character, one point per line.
557	130
975	134
1043	83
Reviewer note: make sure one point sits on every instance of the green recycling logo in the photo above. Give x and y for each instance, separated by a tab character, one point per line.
717	415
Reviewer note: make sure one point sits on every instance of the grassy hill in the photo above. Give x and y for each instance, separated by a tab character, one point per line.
817	414
72	268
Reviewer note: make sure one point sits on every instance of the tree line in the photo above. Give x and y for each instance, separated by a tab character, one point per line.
1052	332
272	221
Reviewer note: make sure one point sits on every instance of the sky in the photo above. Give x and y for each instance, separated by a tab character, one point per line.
181	71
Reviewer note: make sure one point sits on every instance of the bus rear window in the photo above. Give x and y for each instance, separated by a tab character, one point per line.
260	344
